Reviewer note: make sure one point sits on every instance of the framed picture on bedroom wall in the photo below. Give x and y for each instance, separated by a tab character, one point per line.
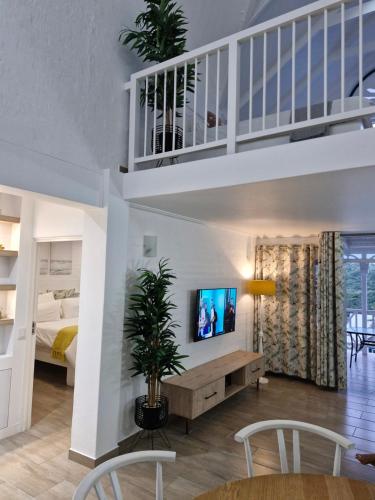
56	258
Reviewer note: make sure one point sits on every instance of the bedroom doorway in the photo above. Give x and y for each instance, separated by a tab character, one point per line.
55	327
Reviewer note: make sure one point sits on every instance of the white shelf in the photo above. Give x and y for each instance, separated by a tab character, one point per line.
10	219
8	253
6	321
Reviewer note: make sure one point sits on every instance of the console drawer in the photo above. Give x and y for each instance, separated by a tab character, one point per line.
254	371
208	396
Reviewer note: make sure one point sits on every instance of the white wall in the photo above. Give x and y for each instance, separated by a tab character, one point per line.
202	257
95	426
62	72
53	220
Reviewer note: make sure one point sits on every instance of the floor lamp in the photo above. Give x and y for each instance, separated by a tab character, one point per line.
261	288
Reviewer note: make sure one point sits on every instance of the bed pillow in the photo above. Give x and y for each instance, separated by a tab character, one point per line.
49	311
45	297
70	307
65	293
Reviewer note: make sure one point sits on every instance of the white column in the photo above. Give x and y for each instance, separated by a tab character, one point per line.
95	426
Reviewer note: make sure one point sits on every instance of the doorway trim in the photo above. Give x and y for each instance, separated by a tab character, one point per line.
31	337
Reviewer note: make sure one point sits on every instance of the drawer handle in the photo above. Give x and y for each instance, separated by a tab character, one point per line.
211	395
256	370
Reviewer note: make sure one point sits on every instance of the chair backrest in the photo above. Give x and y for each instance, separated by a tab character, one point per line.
243	436
93	478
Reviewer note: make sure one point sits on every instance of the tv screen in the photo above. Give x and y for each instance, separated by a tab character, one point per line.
215	312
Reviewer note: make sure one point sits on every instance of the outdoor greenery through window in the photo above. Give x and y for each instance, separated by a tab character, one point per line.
371	287
359	267
353	285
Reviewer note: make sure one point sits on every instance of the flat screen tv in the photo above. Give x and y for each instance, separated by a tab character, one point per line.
215	312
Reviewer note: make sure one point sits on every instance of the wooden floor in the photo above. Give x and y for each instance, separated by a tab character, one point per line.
34	464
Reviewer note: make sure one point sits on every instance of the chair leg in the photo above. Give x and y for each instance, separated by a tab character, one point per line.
356	348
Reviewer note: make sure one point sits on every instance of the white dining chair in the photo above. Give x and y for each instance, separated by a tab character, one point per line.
93	479
244	435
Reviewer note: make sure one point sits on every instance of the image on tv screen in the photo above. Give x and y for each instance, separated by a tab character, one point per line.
216	312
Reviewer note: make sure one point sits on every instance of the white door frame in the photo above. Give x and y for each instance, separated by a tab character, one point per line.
31	338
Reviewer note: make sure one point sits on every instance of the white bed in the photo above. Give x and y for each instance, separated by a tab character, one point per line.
46	332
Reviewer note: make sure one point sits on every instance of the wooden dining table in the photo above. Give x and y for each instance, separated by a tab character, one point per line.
293	487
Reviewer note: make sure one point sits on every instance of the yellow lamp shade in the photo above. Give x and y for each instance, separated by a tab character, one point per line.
262	287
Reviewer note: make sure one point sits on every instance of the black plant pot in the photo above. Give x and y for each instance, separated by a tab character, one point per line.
178	134
151	418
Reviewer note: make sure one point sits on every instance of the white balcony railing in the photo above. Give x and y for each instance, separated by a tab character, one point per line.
293	72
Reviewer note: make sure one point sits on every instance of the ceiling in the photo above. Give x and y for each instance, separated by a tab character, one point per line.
302	206
210	20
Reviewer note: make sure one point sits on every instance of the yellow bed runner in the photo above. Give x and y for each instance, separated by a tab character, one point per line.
62	341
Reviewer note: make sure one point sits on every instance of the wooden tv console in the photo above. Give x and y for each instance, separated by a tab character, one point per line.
203	387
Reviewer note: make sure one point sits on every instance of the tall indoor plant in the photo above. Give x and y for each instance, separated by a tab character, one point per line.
160	35
150	327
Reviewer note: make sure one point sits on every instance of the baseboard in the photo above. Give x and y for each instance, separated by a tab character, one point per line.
124	444
90	462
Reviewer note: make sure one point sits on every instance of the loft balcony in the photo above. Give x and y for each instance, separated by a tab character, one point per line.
306	74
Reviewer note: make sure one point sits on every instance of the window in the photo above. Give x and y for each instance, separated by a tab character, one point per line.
353	285
371	287
359	267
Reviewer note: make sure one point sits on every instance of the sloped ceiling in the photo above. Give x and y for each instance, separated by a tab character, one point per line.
210	20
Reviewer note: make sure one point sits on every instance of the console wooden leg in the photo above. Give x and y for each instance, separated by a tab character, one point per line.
186	426
257	384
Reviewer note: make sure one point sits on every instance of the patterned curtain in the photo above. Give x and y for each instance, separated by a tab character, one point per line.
331	341
290	318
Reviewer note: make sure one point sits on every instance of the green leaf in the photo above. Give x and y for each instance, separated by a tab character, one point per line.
160	36
150	327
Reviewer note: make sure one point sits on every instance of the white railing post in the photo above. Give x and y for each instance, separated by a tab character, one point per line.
134	116
233	66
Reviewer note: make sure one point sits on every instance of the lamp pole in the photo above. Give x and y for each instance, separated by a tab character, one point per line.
262	380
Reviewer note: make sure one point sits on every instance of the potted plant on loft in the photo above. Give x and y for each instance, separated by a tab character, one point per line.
160	36
150	328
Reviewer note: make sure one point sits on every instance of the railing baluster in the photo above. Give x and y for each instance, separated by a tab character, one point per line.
233	66
206	102
174	108
164	107
293	72
251	59
146	107
217	92
342	57
264	111
195	102
309	68
184	108
155	110
325	71
278	76
360	52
